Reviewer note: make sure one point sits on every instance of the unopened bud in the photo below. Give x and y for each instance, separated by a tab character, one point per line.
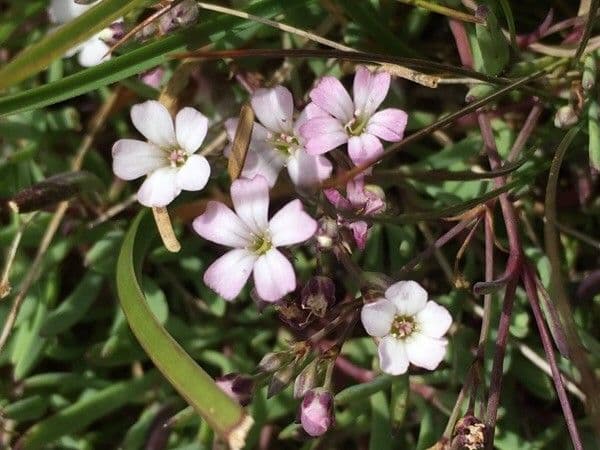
316	412
469	433
113	33
281	379
565	117
182	14
327	233
273	361
317	295
305	381
237	386
588	77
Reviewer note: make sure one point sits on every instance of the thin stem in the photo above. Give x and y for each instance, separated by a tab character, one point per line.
530	288
594	4
489	276
526	130
443	10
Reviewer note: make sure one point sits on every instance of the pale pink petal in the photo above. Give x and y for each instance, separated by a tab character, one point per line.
336	199
388	124
310	111
132	159
190	127
265	161
408	296
220	224
377	317
259	133
160	188
291	225
434	320
308	170
392	356
369	90
274	276
93	52
330	95
424	351
363	148
153	120
360	232
193	175
228	274
322	134
63	11
355	190
251	202
274	108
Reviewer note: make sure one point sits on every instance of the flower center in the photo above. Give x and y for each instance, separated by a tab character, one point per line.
403	326
284	143
356	125
176	157
261	244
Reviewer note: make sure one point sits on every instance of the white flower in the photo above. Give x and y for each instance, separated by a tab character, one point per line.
93	51
168	157
410	329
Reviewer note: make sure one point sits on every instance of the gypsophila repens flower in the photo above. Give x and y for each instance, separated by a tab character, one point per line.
96	49
276	141
254	239
168	157
353	121
409	328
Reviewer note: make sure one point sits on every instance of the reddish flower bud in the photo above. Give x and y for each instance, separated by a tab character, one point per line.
316	412
306	380
237	386
317	295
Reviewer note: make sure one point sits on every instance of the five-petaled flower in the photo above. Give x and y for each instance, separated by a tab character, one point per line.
410	328
96	49
359	200
276	141
254	240
353	122
168	157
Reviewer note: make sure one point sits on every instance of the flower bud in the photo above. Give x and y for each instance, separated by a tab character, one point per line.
469	433
182	14
565	117
327	233
305	381
281	379
317	295
273	361
316	412
237	386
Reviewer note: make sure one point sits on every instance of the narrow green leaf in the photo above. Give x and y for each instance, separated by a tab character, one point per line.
39	56
594	134
399	400
224	415
492	44
363	391
381	431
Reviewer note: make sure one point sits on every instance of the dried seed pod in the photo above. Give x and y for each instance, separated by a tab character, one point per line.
469	433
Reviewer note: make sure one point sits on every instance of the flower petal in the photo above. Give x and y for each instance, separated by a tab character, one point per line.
377	317
93	52
360	232
310	111
193	175
322	134
364	148
393	359
153	120
308	170
228	274
190	127
424	351
369	90
62	11
291	225
434	320
274	108
160	188
388	124
220	224
408	296
274	276
337	199
132	159
330	95
251	202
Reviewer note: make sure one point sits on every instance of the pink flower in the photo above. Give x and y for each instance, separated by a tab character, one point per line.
316	412
409	328
276	141
353	122
358	200
168	158
254	240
